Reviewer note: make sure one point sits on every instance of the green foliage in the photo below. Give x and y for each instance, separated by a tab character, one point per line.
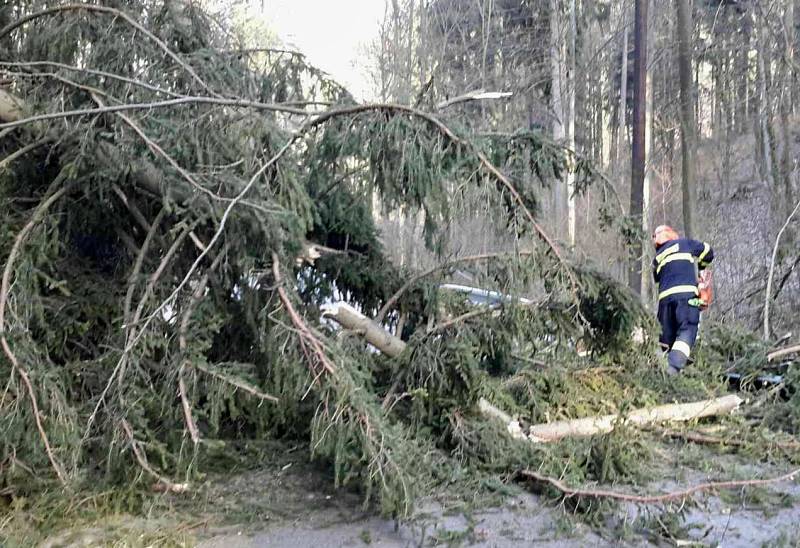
132	306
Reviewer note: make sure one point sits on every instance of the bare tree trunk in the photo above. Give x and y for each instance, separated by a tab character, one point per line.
572	84
787	161
638	152
623	89
556	98
675	412
764	114
688	127
743	72
647	278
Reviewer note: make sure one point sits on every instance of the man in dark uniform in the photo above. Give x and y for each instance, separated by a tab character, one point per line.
675	269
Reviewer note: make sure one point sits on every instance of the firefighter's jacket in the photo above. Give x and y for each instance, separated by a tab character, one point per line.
676	264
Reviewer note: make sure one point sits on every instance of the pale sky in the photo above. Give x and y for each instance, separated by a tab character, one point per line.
332	33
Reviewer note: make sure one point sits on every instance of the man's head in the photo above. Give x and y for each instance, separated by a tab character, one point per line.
662	234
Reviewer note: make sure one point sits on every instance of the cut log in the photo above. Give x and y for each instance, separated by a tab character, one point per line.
350	318
783	352
512	425
11	108
678	412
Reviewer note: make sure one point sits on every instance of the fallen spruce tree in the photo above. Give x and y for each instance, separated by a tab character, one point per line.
176	211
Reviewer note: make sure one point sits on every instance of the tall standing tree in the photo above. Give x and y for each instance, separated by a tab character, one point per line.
623	89
647	255
572	85
687	112
557	83
787	105
638	152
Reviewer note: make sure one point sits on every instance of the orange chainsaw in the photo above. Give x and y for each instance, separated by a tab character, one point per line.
705	289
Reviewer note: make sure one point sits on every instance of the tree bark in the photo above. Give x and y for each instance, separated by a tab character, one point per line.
742	63
688	127
623	90
764	115
350	318
572	84
787	105
647	278
638	152
557	106
11	109
677	412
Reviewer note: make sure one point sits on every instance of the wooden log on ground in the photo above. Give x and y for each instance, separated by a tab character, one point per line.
783	352
350	318
512	425
677	412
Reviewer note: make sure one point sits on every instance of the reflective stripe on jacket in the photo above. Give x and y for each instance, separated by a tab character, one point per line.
676	264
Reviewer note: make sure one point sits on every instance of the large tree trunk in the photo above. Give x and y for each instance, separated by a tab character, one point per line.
742	63
638	152
353	320
647	256
688	128
677	412
350	318
764	115
787	167
557	106
623	91
571	213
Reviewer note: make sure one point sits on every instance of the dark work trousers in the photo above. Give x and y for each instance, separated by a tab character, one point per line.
679	322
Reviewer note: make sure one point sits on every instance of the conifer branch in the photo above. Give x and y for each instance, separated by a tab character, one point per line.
117	13
307	338
5	288
141	458
149	106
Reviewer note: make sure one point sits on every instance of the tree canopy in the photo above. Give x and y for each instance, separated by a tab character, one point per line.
177	208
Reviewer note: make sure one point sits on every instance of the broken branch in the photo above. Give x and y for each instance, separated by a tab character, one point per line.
678	412
655	499
141	458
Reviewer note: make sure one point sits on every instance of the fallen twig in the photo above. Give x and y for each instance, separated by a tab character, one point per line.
197	294
141	458
307	338
22	151
253	391
654	499
94	72
768	296
702	438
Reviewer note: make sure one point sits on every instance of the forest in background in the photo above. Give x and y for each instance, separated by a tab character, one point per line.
209	244
570	69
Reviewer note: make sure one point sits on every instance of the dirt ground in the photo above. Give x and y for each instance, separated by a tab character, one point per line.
525	520
289	502
292	504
